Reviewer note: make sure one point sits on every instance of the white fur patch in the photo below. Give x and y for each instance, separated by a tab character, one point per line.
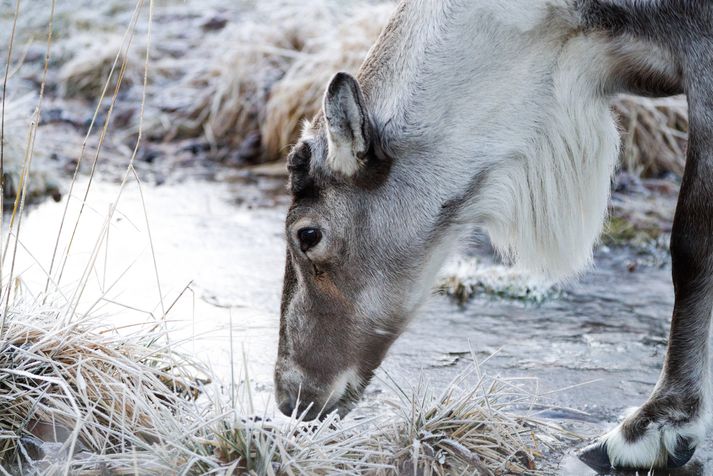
341	384
654	447
479	86
341	157
556	194
647	452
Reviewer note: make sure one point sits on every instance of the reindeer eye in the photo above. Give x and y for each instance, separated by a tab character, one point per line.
309	238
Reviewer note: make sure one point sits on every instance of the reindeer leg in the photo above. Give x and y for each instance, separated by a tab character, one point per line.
667	428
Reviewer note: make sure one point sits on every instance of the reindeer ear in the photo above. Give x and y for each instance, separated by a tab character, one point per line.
348	126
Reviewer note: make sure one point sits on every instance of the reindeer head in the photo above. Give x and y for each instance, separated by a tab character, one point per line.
351	278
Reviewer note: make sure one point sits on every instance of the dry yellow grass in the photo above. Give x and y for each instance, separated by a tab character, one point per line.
85	74
654	134
298	96
248	87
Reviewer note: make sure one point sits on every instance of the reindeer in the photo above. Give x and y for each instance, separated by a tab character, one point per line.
493	114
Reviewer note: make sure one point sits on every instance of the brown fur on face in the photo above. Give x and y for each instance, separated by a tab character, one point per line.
320	337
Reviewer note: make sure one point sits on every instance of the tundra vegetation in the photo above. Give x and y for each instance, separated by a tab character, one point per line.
122	87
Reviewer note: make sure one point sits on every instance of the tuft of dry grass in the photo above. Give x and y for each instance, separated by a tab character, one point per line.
468	428
231	87
68	391
249	87
654	134
85	74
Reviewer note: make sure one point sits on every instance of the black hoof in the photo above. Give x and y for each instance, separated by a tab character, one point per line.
684	453
596	457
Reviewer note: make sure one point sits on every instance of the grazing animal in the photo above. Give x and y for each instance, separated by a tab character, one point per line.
495	114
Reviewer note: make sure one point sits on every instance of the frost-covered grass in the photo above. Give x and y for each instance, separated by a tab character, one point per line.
469	277
79	397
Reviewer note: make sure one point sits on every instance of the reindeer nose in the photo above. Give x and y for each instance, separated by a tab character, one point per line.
305	410
287	406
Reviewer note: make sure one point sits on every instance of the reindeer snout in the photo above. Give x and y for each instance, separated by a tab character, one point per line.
301	402
306	410
287	406
308	398
295	395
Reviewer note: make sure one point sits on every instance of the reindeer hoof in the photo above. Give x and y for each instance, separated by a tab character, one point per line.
596	457
684	453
